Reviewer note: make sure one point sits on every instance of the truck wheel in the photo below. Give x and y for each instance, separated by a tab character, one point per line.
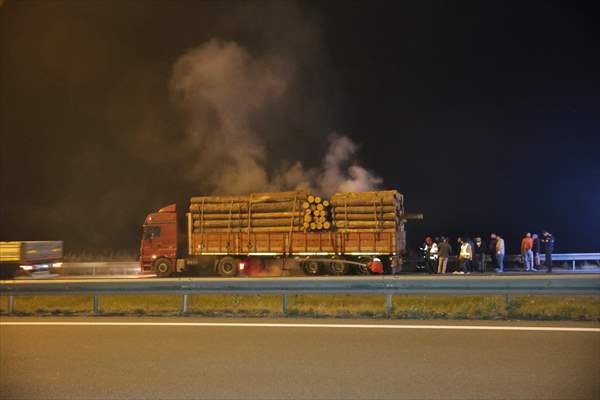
362	270
228	267
338	268
162	267
311	268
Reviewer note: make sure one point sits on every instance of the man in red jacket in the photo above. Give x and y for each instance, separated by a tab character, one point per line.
526	252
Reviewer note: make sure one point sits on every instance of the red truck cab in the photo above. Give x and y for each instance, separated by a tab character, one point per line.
158	249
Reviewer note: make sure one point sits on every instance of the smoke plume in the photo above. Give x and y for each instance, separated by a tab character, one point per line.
228	96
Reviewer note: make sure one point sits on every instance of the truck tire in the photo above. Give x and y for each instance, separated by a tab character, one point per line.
338	268
362	270
228	267
162	267
311	268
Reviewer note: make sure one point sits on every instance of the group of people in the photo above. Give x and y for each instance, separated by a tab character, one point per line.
471	255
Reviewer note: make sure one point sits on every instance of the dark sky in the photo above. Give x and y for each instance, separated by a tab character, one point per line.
486	115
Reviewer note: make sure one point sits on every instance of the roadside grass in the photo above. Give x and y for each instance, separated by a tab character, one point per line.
575	308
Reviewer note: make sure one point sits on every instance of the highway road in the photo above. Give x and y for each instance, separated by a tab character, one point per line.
185	358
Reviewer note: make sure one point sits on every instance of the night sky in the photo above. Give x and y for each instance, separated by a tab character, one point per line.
486	115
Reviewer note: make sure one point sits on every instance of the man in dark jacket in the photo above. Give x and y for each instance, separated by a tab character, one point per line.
444	251
548	242
536	251
479	252
492	248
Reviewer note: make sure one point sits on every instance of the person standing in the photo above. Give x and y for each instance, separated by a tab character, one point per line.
479	254
500	251
433	255
492	248
444	251
526	252
548	242
536	251
465	256
426	251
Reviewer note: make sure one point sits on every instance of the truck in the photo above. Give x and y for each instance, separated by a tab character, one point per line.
29	256
349	233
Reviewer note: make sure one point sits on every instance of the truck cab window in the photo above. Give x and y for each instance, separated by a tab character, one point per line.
151	232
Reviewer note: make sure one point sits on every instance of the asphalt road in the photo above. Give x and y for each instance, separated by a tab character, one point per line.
217	362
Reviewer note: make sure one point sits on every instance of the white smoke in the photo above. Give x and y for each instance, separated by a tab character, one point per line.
226	93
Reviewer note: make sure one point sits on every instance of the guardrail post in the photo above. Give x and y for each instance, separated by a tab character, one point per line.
96	304
389	304
184	303
11	304
573	265
284	303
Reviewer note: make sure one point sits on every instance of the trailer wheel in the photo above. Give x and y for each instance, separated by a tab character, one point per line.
228	267
311	268
162	267
336	268
362	270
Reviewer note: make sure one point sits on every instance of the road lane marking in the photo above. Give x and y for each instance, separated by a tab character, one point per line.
327	326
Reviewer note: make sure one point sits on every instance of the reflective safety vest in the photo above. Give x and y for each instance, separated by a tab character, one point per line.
465	254
433	252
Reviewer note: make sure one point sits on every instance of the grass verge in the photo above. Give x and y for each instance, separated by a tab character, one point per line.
574	308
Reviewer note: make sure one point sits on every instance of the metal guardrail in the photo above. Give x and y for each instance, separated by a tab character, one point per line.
573	258
383	285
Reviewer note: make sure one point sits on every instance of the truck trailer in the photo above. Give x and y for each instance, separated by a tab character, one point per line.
29	256
355	232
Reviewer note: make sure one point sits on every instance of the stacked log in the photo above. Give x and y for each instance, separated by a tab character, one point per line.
378	211
317	214
257	212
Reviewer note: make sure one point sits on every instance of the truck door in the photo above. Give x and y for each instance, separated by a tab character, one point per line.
151	244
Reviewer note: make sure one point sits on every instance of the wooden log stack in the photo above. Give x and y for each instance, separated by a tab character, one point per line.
317	214
378	211
296	211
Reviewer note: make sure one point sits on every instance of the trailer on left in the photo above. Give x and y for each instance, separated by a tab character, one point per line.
28	256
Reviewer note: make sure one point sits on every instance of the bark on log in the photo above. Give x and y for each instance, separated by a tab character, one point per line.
366	230
367	217
365	224
363	209
274	229
243	207
264	197
364	202
389	197
374	193
244	223
236	216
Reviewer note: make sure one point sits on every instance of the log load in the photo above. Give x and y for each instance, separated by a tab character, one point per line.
299	211
294	211
368	211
